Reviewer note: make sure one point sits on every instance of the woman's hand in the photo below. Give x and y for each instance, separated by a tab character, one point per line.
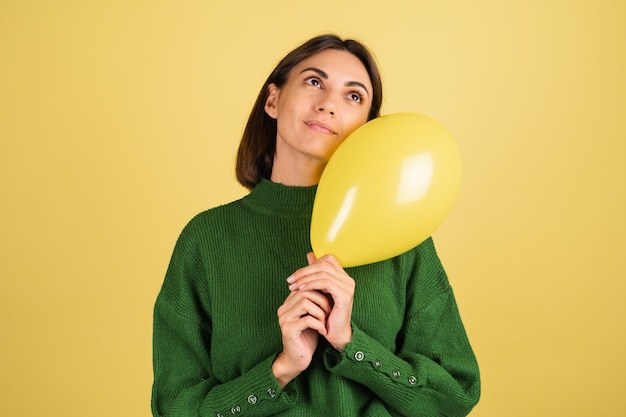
302	318
325	275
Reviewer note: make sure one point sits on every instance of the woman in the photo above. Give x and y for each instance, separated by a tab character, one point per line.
249	321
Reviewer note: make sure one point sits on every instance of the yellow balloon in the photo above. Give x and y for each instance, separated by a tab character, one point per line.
386	189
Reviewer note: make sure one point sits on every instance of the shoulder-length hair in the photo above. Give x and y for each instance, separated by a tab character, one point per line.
255	156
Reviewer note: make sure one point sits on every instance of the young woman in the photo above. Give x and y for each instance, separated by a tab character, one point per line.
249	322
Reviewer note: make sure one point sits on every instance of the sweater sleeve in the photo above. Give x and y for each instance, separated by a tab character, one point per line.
184	382
434	371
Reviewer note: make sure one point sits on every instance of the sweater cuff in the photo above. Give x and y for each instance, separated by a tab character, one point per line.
257	392
366	361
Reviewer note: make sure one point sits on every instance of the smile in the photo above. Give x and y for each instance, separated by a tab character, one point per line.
320	127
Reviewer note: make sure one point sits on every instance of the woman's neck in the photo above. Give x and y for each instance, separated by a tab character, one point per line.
303	173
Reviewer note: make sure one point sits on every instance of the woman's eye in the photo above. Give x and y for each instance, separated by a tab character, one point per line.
356	97
313	81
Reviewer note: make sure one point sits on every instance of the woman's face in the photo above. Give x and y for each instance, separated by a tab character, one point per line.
326	97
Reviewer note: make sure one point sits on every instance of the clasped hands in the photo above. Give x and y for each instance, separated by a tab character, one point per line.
320	303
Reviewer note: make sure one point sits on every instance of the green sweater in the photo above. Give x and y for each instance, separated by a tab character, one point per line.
216	330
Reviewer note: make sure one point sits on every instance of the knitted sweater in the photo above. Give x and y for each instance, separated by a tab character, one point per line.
216	330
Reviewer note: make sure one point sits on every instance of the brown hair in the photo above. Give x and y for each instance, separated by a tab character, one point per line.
255	157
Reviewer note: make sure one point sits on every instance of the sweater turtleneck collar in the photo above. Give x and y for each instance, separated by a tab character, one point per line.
282	199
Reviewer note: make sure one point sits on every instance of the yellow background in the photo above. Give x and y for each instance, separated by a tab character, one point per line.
119	120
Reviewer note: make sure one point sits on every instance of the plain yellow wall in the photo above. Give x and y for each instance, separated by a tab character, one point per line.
119	120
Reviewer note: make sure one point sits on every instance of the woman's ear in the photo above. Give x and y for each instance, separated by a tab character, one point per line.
270	102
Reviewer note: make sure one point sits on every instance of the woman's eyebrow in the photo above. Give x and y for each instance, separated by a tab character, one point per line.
357	84
317	70
323	74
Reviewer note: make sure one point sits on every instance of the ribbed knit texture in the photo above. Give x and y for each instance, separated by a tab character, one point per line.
216	331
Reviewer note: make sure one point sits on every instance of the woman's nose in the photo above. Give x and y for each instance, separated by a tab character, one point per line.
326	104
331	112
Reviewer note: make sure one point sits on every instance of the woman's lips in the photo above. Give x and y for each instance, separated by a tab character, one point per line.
320	127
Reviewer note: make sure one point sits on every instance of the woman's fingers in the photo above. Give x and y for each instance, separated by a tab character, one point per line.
325	275
310	257
294	329
304	309
306	302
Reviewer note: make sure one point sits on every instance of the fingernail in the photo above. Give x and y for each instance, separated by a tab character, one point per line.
290	279
293	287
